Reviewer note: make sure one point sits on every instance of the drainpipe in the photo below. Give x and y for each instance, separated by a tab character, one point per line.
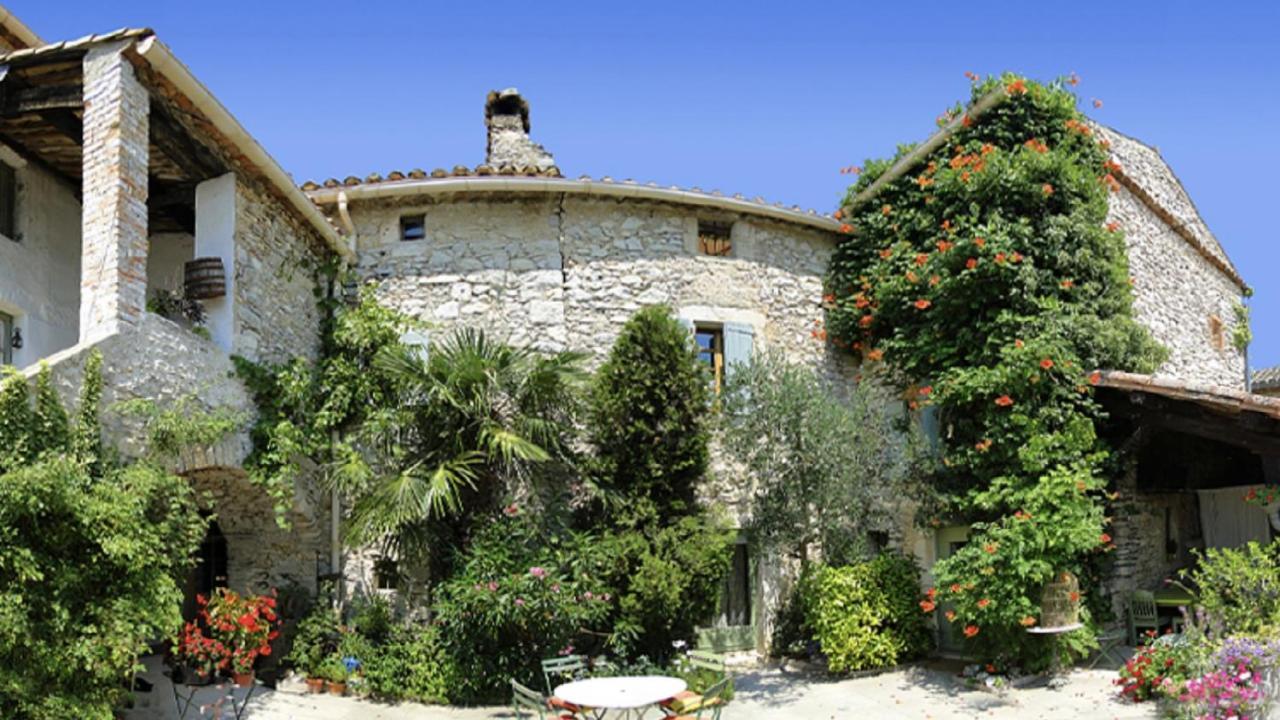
345	215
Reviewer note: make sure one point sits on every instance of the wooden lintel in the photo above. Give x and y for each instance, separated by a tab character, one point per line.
38	99
65	122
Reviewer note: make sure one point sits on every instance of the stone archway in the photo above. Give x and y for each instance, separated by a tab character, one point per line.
259	554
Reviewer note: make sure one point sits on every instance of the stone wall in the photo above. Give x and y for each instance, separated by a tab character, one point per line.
161	361
276	318
1188	305
556	273
1185	298
40	267
113	263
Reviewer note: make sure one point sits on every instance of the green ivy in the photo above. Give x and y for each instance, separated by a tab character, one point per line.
988	283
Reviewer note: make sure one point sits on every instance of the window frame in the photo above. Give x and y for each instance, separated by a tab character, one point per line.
7	325
408	220
716	350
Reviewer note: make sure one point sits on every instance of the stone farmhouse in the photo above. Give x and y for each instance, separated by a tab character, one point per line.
118	169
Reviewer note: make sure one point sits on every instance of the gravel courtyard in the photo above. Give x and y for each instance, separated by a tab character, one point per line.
928	691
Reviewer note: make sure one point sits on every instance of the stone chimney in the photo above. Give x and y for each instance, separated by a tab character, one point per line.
506	115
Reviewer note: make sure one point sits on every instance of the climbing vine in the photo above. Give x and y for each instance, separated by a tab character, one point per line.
987	282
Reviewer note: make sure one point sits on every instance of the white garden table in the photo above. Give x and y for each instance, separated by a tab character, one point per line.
630	695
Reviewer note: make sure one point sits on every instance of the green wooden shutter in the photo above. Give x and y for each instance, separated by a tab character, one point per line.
738	340
931	428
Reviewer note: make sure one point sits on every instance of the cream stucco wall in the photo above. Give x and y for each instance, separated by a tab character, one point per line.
40	267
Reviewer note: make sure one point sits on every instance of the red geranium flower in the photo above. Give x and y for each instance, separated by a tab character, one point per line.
971	630
927	606
1046	363
971	263
983	603
922	304
1004	401
921	259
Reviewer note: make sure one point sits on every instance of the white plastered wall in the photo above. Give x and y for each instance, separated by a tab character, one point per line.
40	266
215	237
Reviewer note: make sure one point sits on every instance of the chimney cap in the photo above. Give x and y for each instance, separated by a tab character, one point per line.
507	102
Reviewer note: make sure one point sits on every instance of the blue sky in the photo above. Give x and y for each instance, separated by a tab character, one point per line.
763	99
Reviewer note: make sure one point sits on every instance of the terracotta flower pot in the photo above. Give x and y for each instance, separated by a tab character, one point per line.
315	685
337	688
243	680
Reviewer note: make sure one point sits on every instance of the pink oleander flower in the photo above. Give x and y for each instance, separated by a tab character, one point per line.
538	572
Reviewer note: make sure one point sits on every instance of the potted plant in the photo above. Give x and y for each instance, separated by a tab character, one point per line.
1268	498
334	671
316	639
195	655
242	626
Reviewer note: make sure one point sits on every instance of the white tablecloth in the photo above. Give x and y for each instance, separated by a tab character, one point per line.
620	693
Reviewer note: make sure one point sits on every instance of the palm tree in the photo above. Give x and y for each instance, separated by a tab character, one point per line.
474	420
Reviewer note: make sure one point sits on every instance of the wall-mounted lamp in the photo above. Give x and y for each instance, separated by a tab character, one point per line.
16	341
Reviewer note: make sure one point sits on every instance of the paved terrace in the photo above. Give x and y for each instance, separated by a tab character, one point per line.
930	692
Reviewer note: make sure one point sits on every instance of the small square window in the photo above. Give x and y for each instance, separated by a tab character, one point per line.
714	238
413	227
386	574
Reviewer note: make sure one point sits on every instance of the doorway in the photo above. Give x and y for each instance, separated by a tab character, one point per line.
210	571
949	541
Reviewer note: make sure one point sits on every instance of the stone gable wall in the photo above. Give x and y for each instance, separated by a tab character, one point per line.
1176	292
276	317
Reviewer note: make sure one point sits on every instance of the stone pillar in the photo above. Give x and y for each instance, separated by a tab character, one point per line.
215	237
113	255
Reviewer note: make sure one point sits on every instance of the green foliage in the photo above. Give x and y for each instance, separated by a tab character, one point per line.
649	420
990	284
16	443
411	665
1240	587
819	463
864	615
667	581
316	639
476	421
523	592
87	433
70	632
51	429
183	424
1241	334
302	405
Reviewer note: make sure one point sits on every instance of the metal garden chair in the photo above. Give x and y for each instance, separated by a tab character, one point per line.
702	660
1143	613
525	700
706	706
566	668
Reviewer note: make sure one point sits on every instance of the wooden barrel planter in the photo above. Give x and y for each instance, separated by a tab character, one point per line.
1060	601
205	278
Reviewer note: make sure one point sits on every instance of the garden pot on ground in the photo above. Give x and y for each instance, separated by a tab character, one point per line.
315	685
337	688
243	680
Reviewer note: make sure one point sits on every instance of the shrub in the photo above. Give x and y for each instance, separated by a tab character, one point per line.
818	462
864	615
70	632
316	638
516	598
667	581
411	665
649	420
1240	587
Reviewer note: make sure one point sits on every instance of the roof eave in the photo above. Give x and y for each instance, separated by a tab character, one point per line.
603	188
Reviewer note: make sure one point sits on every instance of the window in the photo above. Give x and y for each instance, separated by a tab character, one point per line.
714	238
1217	334
8	202
711	350
413	227
386	574
6	339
